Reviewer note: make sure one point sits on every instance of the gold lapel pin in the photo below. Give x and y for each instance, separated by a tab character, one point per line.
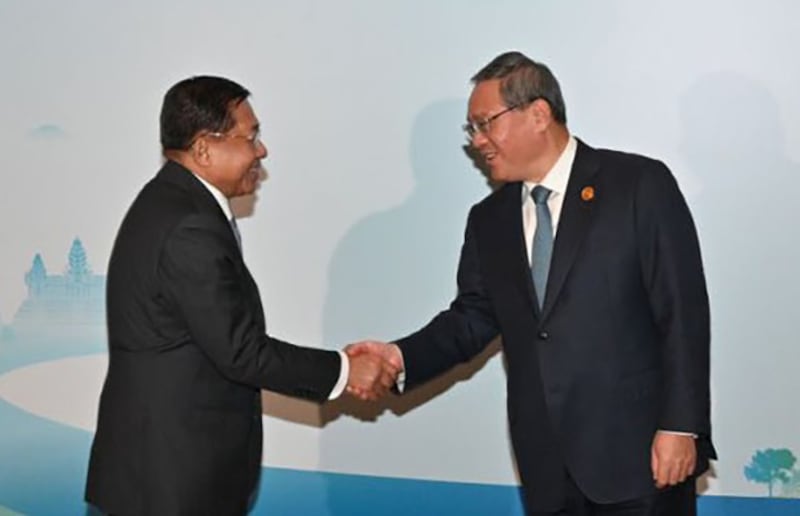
587	194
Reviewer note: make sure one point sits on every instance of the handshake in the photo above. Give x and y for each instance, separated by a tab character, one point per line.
374	368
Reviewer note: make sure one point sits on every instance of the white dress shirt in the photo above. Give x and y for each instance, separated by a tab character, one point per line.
556	181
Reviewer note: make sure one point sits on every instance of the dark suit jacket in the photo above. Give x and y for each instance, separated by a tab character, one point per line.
621	345
179	426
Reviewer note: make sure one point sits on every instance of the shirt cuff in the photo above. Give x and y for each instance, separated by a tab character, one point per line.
400	383
673	432
344	373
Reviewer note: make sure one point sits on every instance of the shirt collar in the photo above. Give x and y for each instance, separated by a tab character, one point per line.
223	202
556	179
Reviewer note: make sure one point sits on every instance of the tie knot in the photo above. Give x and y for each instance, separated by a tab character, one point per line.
540	194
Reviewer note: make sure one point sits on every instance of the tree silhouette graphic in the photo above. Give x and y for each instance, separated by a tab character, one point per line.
770	465
791	489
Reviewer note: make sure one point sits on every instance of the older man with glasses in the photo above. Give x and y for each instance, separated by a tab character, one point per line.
586	261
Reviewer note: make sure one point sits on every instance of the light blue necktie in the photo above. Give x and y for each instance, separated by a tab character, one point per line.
542	242
236	233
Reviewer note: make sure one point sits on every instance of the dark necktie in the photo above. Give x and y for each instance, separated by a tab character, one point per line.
236	233
542	242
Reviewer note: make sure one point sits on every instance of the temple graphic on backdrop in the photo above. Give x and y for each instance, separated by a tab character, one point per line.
62	315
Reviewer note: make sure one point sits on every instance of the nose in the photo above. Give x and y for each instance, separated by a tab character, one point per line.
478	139
261	149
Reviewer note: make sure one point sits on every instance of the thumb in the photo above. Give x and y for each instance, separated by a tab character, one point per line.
356	349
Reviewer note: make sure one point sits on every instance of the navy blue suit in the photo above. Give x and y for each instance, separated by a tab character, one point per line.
620	347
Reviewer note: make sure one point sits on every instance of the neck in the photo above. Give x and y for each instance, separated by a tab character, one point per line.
555	141
186	160
181	158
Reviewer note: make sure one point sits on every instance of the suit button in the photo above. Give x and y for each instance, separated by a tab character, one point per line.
543	335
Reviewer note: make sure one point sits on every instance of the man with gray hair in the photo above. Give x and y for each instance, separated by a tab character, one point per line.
586	261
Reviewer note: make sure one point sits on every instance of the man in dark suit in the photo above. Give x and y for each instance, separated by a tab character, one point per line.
179	424
587	263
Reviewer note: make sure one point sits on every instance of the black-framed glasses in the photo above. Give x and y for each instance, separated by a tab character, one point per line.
473	127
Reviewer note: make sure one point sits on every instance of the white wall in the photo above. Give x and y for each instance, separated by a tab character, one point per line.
357	231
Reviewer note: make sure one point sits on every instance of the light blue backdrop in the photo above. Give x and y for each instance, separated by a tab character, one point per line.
357	230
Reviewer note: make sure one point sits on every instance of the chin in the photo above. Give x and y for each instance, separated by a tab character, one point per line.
498	176
245	191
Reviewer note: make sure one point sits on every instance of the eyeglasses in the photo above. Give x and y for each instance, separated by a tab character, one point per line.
473	127
253	139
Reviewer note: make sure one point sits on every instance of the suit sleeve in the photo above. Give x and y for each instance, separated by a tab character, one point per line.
673	275
203	278
459	333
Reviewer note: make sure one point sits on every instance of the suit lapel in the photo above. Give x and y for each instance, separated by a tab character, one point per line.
509	243
573	222
174	173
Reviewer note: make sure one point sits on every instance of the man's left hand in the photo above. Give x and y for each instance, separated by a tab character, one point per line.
673	458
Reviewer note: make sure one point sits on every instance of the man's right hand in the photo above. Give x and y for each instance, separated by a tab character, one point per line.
374	367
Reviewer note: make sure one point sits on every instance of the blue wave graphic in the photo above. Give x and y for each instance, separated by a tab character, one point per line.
44	469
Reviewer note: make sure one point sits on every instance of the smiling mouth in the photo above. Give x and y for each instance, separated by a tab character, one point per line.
489	156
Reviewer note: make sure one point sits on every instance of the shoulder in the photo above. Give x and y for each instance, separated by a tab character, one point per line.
621	168
164	209
629	162
499	198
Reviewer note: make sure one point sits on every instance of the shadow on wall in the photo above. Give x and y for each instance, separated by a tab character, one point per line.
395	269
389	275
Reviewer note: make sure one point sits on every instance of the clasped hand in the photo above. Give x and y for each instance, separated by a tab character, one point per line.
374	367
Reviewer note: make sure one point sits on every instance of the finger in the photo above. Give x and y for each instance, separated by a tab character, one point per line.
663	473
387	380
368	395
390	369
355	349
355	391
654	463
381	387
674	474
690	469
686	471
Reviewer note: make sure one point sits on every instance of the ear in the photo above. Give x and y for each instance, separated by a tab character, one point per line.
201	152
542	114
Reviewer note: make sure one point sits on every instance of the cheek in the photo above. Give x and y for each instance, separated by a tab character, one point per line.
243	162
502	141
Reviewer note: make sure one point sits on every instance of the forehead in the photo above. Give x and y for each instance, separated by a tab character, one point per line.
244	116
485	98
